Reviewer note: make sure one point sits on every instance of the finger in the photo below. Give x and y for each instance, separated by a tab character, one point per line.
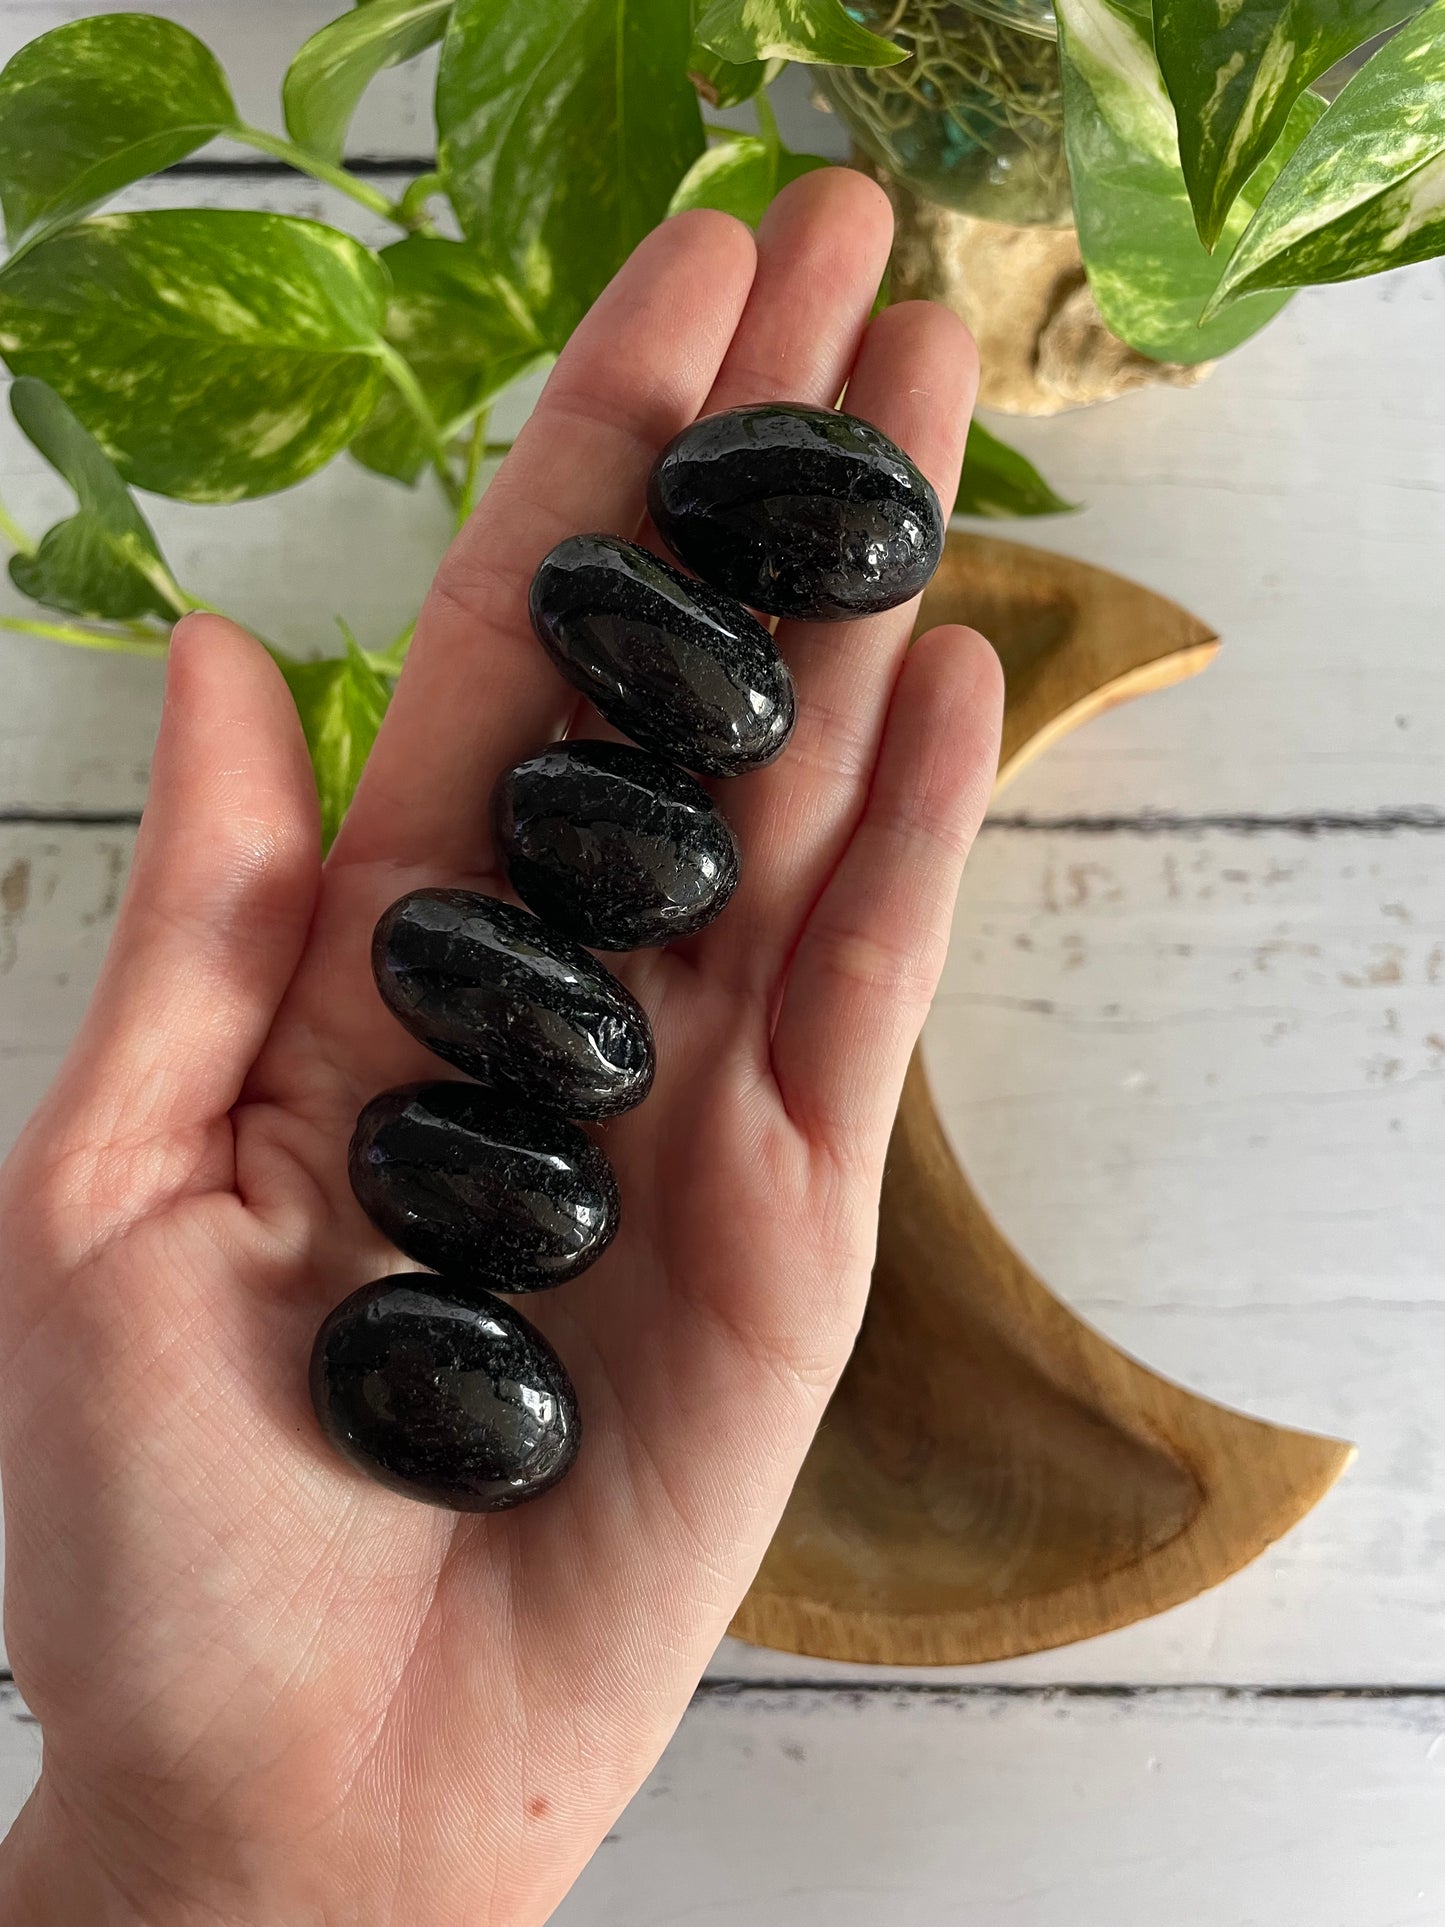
822	250
216	911
915	378
871	953
477	691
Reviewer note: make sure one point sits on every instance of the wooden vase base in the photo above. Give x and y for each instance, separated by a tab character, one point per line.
993	1477
1042	343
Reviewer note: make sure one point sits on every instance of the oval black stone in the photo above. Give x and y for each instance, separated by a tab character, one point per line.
495	992
684	671
453	1400
801	511
613	846
464	1182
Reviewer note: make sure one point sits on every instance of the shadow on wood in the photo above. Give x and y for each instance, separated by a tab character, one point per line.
993	1477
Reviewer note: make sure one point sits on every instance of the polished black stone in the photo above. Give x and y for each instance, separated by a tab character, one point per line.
507	1000
615	847
446	1395
463	1181
684	671
801	511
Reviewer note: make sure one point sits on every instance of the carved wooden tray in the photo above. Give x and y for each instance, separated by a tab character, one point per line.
993	1477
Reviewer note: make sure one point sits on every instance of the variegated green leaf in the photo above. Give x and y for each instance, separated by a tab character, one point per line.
96	104
818	31
1150	273
998	483
213	354
728	83
463	338
1234	68
1365	190
332	71
103	561
564	125
741	177
341	701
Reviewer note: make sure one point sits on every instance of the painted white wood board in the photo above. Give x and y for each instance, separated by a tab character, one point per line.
980	1809
19	1753
983	1811
1196	1079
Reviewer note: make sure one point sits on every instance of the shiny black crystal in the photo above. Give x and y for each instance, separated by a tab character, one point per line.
465	1182
449	1398
682	670
495	992
613	846
801	511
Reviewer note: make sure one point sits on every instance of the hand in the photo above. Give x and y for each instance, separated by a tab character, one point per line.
273	1693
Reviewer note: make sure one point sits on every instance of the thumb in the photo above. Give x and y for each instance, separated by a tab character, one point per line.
221	891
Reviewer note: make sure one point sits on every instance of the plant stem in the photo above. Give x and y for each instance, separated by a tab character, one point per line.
388	661
338	177
182	602
410	211
404	376
476	455
12	532
137	643
767	120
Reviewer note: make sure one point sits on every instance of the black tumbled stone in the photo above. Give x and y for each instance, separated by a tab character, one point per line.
684	671
613	846
464	1182
800	511
495	992
451	1399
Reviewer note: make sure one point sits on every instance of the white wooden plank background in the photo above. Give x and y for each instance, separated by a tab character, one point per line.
983	1808
1191	1045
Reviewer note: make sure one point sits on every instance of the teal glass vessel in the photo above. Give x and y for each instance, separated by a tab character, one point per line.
974	119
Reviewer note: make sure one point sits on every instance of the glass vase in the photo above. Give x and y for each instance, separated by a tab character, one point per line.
974	119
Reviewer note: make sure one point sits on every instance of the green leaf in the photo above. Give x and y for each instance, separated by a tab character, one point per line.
96	104
1150	273
341	701
998	482
728	83
1234	72
818	31
465	341
1365	190
103	561
741	177
565	125
725	83
326	80
214	354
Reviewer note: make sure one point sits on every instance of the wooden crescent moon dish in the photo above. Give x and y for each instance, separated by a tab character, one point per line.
992	1476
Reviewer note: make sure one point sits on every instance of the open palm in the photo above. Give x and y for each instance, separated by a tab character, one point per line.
270	1690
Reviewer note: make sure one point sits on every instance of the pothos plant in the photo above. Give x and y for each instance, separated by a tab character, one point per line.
1210	181
214	355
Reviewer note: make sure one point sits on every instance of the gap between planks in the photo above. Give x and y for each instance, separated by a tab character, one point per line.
1422	819
942	1692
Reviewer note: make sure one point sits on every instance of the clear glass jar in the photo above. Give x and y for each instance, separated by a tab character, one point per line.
975	118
